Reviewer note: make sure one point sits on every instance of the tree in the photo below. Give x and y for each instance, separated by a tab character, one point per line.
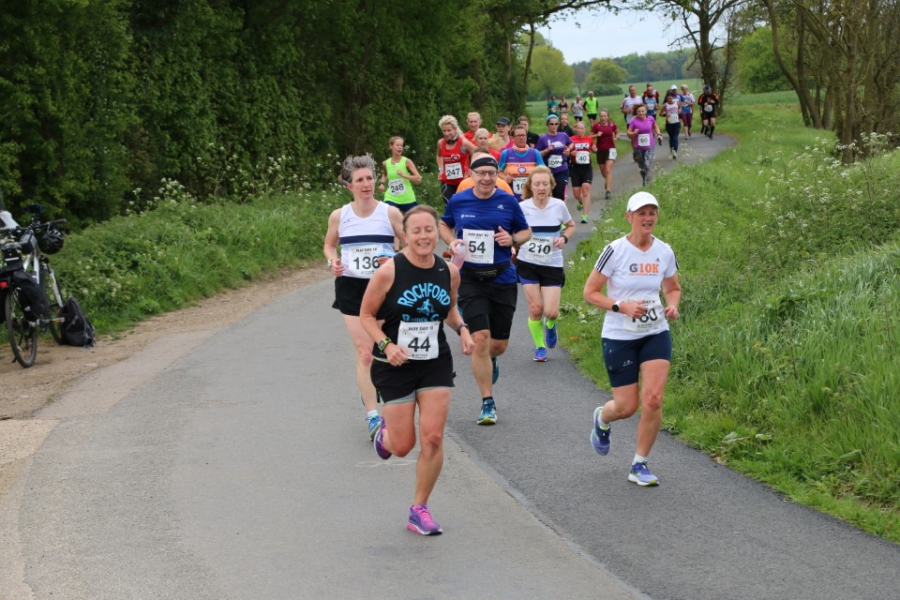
581	70
757	69
549	73
605	72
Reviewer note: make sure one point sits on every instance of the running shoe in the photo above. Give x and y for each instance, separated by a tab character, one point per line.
421	522
496	373
374	424
488	414
540	355
608	195
600	437
382	452
580	206
641	475
584	218
550	336
674	154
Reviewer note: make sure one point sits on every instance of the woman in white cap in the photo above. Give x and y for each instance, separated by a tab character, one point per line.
637	346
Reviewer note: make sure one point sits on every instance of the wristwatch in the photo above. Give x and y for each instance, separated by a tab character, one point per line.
565	237
461	325
615	306
515	240
384	344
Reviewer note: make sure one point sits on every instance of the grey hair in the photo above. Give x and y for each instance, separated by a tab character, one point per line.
352	163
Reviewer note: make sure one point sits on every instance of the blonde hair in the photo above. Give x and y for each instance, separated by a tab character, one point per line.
448	120
526	190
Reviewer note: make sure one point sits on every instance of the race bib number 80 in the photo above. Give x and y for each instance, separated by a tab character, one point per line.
651	320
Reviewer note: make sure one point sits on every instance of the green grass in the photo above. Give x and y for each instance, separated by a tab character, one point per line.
784	366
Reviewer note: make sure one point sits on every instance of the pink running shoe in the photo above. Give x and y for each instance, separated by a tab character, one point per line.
421	522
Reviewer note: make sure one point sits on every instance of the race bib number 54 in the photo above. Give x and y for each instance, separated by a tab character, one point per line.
480	244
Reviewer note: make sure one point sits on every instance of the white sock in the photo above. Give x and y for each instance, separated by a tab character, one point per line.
638	459
371	413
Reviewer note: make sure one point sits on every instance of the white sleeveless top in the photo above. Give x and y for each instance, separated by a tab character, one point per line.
363	239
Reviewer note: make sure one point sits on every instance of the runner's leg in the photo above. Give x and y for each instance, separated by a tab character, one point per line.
363	344
654	374
434	404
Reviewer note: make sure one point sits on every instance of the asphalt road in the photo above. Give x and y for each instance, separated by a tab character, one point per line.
242	471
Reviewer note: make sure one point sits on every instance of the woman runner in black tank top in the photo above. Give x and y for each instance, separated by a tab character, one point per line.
414	293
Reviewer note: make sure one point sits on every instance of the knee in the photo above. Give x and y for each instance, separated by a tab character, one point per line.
402	445
364	355
431	441
535	310
552	313
652	400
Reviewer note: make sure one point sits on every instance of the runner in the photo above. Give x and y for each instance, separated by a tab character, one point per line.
606	132
709	104
582	172
364	229
532	137
687	110
641	131
398	170
453	152
671	110
651	100
631	100
501	141
564	126
539	261
563	106
637	344
483	144
516	163
578	108
412	363
487	223
555	148
552	106
468	183
590	106
473	120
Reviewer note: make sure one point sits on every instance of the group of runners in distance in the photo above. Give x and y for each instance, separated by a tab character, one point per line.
505	223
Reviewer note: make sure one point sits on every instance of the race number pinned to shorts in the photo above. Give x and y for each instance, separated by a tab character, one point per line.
397	187
613	154
582	157
362	260
537	250
453	170
651	320
480	244
555	161
708	108
643	139
519	185
419	339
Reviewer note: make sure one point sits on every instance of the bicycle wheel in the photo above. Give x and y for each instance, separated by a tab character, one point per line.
23	336
54	301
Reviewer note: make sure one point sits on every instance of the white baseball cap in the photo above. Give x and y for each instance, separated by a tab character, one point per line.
640	200
674	87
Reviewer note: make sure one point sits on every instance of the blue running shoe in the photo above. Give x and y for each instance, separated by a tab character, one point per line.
540	355
421	522
496	374
600	437
550	336
374	424
641	475
380	450
488	414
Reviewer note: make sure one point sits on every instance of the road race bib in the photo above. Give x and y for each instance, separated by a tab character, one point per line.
538	250
651	103
652	320
519	185
556	160
362	261
673	118
453	170
708	108
643	139
480	244
582	157
397	186
613	154
419	339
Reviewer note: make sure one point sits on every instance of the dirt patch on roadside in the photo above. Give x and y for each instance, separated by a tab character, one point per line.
25	392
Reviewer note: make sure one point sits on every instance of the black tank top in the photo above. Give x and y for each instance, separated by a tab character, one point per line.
418	295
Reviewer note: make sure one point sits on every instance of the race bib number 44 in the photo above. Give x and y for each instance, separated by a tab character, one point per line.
650	321
480	244
362	261
419	339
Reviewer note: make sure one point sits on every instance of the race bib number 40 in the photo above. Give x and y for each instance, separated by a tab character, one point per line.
397	186
582	157
362	261
453	170
538	250
419	339
480	244
651	320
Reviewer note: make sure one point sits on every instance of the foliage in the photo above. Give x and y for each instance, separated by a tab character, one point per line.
757	70
653	66
549	73
603	73
789	260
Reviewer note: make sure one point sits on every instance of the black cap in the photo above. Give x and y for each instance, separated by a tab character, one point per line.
503	121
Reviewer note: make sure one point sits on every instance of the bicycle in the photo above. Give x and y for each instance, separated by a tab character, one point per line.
23	266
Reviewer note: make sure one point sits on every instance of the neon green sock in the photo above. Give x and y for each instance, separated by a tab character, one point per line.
551	323
537	332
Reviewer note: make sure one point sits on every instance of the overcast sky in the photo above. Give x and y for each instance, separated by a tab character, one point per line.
594	34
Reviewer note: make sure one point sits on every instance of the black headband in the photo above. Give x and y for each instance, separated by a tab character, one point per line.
484	161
